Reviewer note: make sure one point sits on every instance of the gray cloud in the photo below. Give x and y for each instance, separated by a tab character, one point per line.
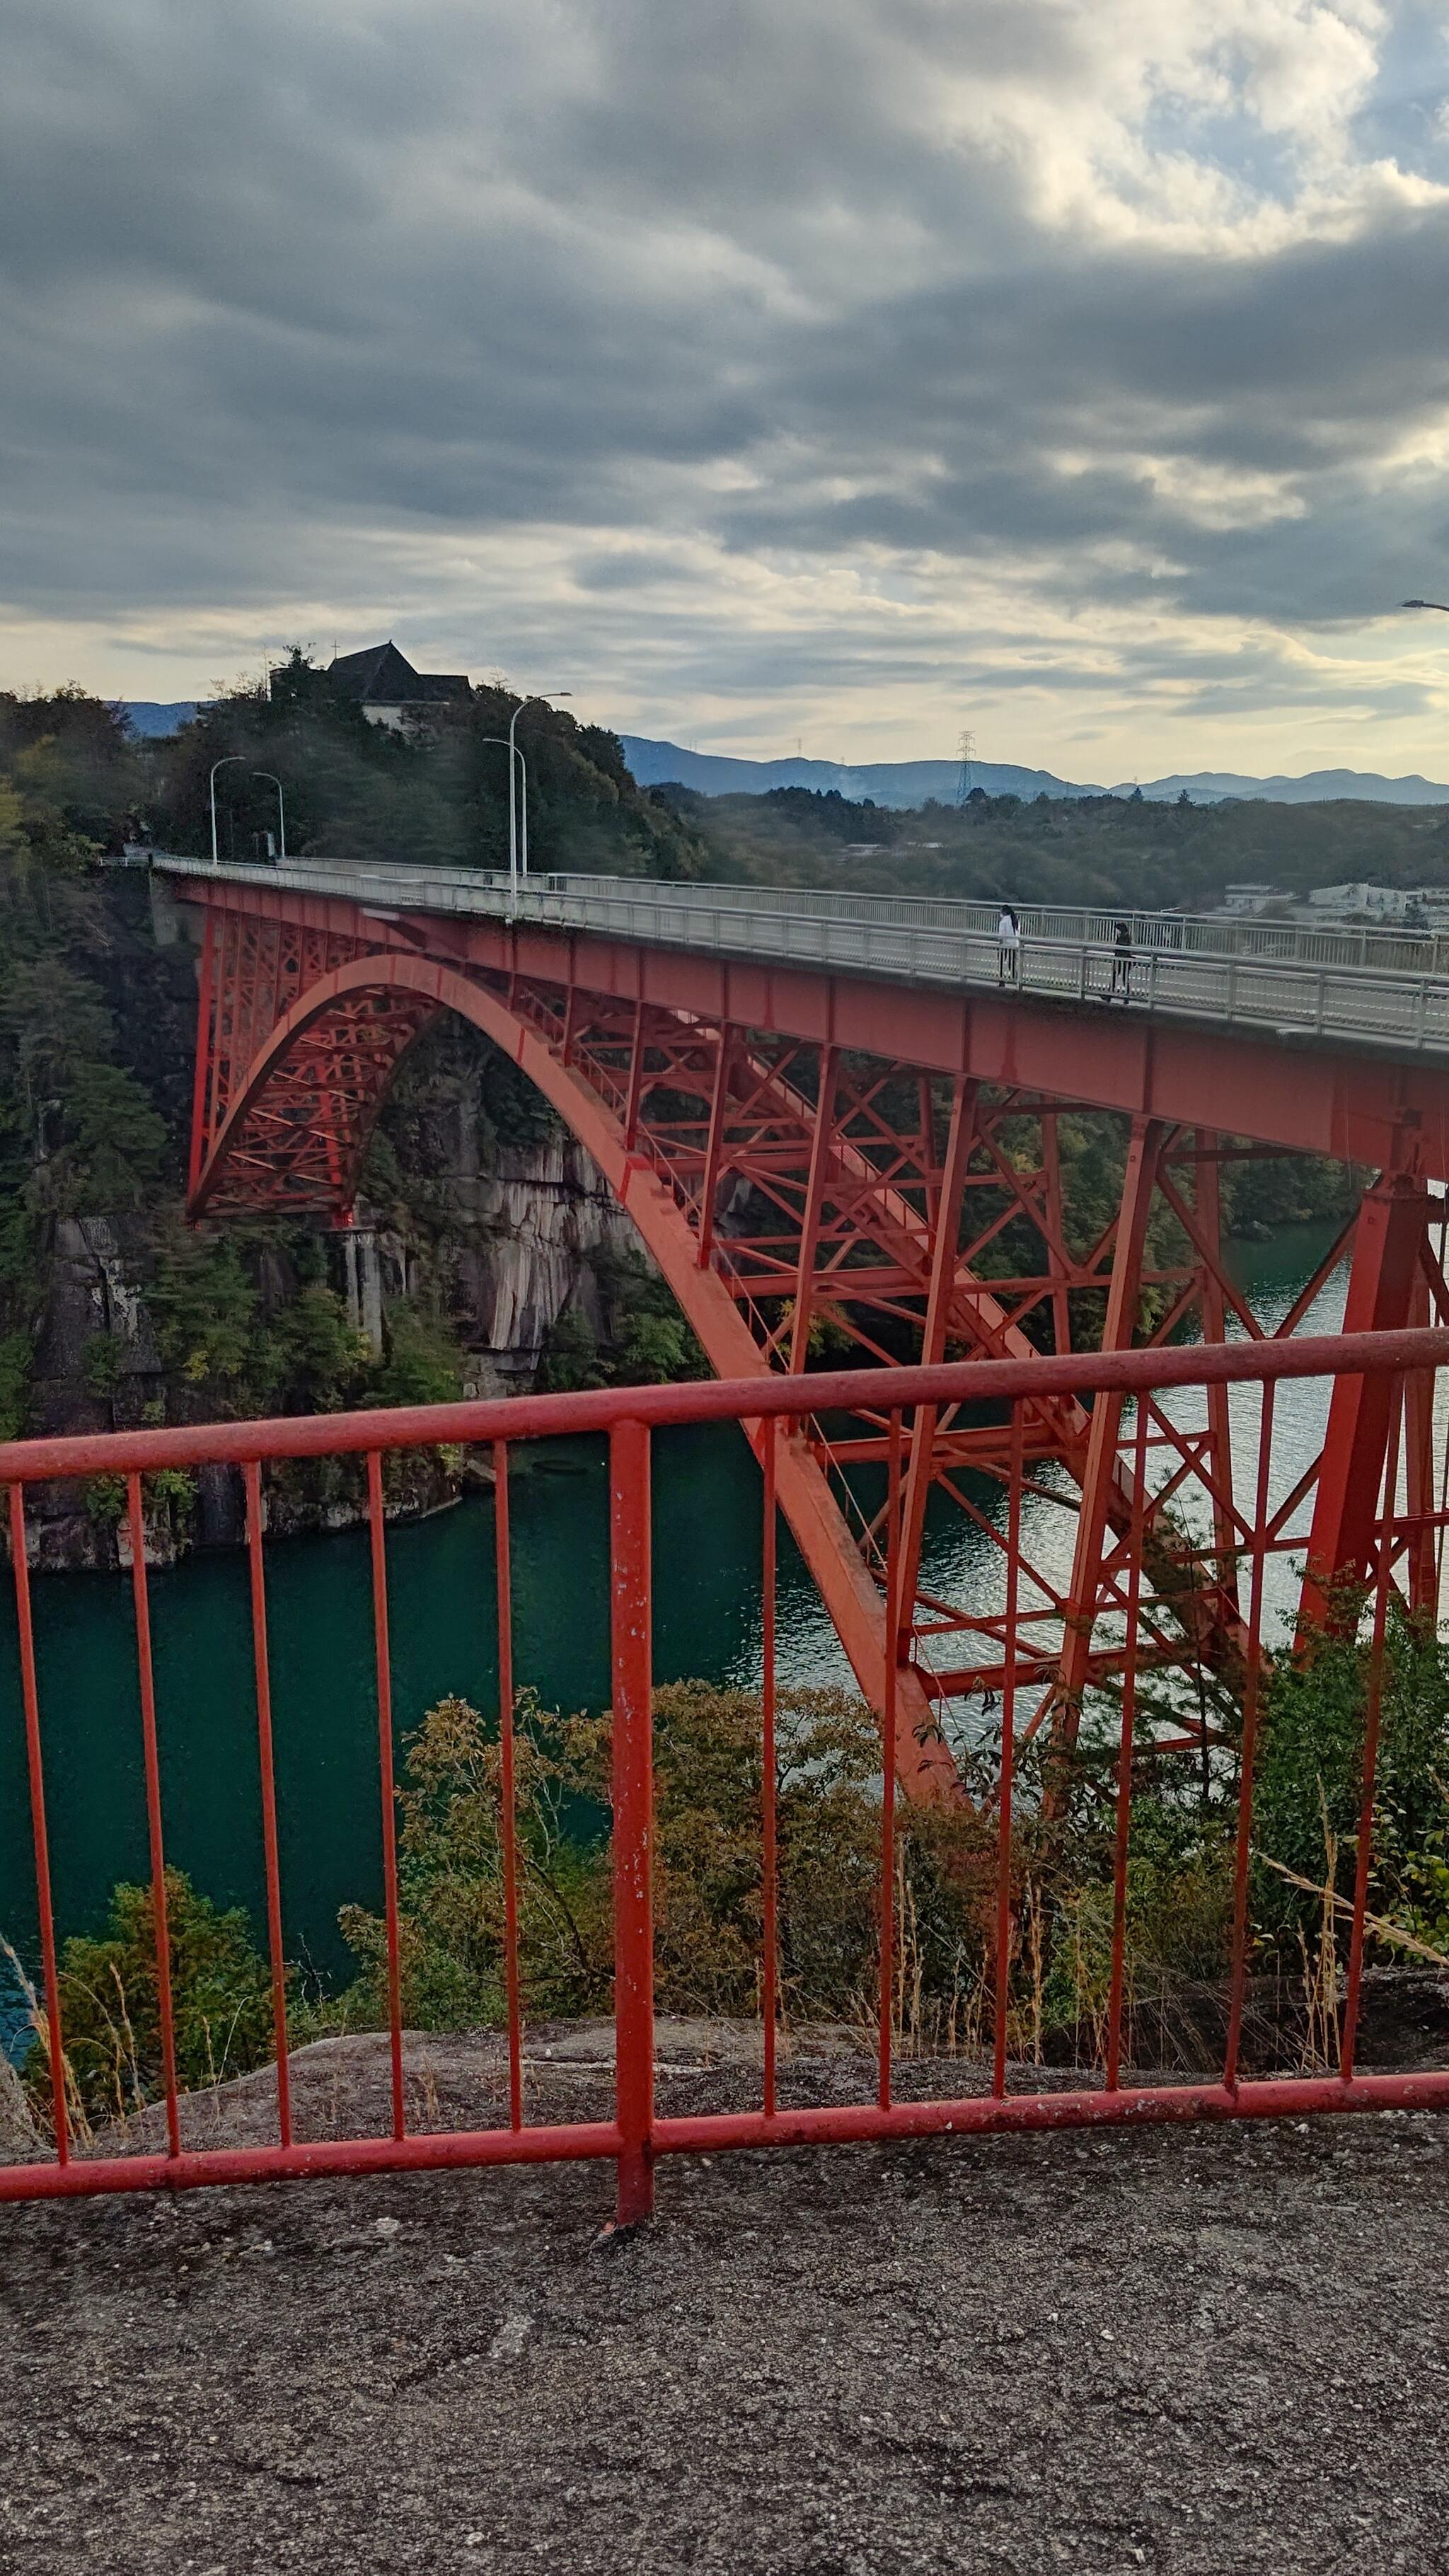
753	359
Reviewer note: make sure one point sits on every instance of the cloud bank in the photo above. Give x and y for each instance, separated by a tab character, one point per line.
848	370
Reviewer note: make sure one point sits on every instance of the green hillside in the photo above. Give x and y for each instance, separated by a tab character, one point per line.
1091	850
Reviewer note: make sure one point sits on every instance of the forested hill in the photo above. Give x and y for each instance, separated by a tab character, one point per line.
111	1310
435	798
1105	849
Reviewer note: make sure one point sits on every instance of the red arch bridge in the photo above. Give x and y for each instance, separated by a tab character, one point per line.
825	1117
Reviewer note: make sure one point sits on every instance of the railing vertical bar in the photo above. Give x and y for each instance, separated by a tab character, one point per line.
136	1523
770	1896
633	1802
1252	1681
266	1764
507	1786
1122	1826
1432	1402
1353	1979
383	1655
30	1702
1002	1990
888	1767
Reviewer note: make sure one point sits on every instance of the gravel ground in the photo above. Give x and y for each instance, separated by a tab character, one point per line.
1204	2350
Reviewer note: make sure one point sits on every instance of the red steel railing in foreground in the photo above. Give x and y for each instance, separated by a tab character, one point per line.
1254	1527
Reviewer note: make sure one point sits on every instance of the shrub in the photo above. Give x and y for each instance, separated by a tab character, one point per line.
109	2006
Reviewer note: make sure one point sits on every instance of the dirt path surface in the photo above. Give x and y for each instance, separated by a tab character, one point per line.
1191	2350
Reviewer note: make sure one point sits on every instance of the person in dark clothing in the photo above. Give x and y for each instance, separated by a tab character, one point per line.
1122	963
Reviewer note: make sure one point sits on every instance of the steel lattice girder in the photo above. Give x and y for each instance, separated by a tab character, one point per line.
786	1185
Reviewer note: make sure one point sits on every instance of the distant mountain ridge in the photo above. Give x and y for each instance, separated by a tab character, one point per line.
151	719
905	783
902	784
899	783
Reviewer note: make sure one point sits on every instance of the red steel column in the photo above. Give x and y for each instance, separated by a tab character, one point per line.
1055	1239
1124	1298
1419	1502
1392	1225
636	1082
1207	1202
714	1149
820	1144
633	1801
944	1249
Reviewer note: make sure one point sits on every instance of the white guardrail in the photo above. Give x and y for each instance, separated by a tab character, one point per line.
1064	956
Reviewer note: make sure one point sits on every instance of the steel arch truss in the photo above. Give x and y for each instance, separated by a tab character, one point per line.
801	1199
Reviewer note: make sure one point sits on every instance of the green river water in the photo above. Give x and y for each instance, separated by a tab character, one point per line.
707	1538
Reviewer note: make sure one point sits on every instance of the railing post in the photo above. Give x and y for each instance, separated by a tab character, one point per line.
633	1801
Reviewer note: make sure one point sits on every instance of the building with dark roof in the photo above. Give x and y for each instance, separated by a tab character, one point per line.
389	691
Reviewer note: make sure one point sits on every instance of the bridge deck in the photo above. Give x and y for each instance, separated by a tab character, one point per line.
1295	997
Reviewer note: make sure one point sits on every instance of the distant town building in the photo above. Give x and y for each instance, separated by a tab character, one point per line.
389	691
1417	907
1250	898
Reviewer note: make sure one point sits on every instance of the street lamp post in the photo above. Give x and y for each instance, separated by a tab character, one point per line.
514	870
232	756
274	781
514	754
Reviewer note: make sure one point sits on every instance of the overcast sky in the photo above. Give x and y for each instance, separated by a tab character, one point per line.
846	371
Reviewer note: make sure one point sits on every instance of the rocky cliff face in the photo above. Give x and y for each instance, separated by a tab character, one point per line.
517	1236
479	1193
545	1227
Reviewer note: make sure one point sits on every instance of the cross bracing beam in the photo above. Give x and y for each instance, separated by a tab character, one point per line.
798	1190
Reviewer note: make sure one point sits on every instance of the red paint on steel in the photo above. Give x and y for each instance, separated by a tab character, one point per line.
720	1035
1373	1712
1122	1819
376	1523
193	2170
769	1850
972	2115
1391	1229
527	1417
945	1253
1124	1300
889	1767
1350	1103
1001	1987
262	1668
815	1175
637	2135
821	1533
136	1525
633	1801
40	1841
1247	1760
508	1795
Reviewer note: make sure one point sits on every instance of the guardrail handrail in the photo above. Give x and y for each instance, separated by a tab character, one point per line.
1289	997
1177	933
639	2130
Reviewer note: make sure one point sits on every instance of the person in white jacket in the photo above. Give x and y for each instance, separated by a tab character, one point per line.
1008	947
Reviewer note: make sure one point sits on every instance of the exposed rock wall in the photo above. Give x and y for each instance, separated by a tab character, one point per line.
532	1226
543	1217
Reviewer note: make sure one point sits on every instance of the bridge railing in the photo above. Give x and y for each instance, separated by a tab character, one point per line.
990	2083
1327	943
1286	996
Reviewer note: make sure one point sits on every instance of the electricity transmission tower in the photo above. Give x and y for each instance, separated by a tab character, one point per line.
966	754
